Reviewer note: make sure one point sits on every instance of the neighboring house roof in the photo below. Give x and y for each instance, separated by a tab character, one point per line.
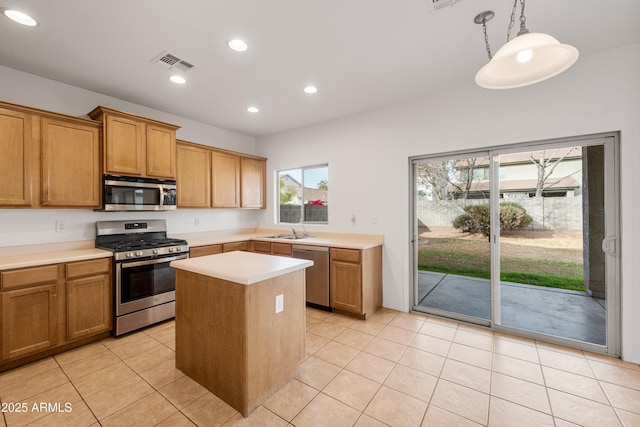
289	181
516	158
566	183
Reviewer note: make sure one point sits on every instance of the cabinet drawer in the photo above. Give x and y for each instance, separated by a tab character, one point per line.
284	249
88	268
29	276
262	247
235	246
346	255
204	250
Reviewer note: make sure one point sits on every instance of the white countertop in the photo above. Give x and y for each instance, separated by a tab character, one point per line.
50	253
241	267
339	240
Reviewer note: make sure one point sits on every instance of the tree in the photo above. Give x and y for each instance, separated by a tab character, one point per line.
466	168
546	166
286	194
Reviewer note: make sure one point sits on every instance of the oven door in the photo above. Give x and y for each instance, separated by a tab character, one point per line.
142	284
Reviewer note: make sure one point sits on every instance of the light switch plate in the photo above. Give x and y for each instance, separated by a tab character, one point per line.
279	303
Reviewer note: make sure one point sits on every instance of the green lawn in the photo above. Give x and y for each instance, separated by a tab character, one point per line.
530	271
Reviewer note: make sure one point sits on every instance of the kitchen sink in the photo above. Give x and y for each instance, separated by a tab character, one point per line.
284	236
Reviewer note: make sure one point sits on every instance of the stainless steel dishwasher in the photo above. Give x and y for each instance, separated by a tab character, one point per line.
317	277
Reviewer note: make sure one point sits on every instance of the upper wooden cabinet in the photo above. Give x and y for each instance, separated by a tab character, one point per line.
70	163
253	183
213	178
193	179
17	157
225	180
48	159
136	145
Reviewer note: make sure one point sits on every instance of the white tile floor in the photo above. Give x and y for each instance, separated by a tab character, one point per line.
395	369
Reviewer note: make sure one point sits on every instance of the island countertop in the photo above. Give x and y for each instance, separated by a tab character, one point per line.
241	267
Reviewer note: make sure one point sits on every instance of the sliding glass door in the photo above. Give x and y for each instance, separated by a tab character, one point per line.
522	239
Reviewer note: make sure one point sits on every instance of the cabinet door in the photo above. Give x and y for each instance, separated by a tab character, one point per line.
204	250
29	320
161	152
71	172
346	286
88	306
193	177
235	246
252	181
225	180
15	158
124	145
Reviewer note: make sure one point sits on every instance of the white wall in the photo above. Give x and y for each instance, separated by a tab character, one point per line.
30	226
369	169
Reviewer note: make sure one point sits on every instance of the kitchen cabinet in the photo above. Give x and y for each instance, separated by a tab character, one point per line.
253	182
136	145
88	289
29	306
271	248
193	176
356	280
197	251
235	246
71	173
18	156
225	179
48	159
51	308
208	177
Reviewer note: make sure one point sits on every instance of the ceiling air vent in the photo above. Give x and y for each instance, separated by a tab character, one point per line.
435	5
169	61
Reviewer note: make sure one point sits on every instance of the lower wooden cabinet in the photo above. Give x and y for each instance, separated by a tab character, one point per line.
356	280
50	306
88	298
29	320
196	251
235	246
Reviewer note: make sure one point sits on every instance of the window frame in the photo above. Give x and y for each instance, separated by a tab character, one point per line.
302	170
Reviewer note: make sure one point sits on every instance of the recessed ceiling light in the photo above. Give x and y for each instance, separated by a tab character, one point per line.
177	79
310	89
238	45
252	109
20	17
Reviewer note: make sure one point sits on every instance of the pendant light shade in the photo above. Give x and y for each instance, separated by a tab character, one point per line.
527	59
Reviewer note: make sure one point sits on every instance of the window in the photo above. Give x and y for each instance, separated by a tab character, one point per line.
303	194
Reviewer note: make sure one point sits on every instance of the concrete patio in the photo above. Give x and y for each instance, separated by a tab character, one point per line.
568	314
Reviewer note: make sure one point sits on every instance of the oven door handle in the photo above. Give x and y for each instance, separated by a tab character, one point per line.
151	261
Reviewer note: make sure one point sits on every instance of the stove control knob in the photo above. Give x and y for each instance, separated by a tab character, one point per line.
155	251
171	249
179	248
129	254
138	253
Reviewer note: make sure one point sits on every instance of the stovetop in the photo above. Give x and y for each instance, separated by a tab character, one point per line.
138	239
134	245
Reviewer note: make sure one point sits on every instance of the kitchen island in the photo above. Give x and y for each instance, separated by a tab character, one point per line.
240	324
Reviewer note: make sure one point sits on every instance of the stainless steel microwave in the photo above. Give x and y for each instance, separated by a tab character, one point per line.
128	193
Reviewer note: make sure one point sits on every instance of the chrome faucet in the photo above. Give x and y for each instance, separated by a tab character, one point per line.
304	230
294	232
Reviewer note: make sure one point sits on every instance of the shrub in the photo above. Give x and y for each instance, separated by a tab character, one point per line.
512	216
477	218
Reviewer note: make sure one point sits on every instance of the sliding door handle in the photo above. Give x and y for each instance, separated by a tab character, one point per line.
609	245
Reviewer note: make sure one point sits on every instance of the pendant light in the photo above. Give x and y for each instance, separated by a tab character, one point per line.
527	59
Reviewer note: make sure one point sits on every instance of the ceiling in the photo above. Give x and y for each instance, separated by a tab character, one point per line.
361	54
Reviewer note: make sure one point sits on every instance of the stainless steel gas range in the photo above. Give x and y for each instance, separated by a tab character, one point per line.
143	282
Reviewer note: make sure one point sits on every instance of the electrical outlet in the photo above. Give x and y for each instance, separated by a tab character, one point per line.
279	303
196	221
60	226
374	220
